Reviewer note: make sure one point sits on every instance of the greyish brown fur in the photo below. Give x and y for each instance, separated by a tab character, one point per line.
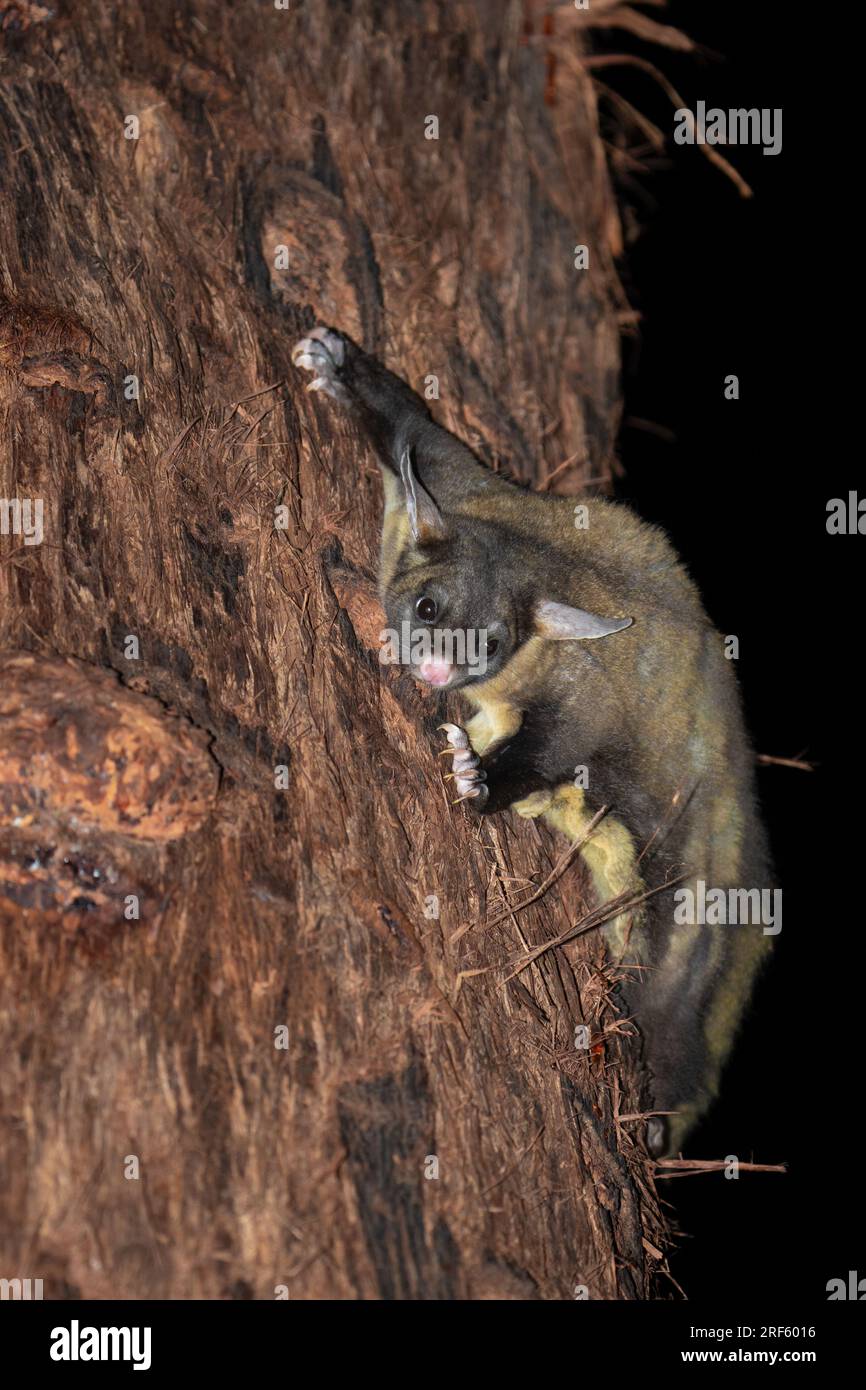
650	709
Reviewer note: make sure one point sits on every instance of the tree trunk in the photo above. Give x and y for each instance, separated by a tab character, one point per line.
256	1026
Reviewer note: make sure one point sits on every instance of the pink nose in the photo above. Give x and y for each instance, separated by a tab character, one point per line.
436	672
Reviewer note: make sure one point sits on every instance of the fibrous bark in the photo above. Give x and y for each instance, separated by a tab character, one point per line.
305	1036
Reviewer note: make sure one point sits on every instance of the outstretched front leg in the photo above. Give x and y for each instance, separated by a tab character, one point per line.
389	410
393	416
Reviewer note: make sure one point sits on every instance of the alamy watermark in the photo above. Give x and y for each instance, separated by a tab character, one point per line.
846	516
22	516
20	1289
719	907
77	1343
755	126
414	646
853	1288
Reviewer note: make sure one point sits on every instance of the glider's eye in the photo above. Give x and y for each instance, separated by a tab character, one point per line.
426	610
492	646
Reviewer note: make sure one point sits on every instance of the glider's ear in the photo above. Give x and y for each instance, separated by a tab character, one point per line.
560	623
426	522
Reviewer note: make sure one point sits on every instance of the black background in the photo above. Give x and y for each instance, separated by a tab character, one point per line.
727	285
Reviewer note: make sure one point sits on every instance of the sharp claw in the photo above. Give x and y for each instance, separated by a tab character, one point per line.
332	343
457	737
320	346
466	772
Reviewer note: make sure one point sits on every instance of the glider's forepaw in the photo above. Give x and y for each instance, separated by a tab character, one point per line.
466	771
322	352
